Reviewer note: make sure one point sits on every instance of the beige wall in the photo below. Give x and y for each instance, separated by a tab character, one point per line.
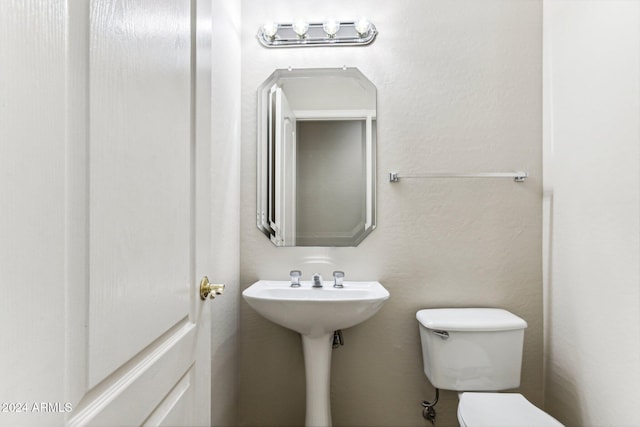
459	89
226	210
592	189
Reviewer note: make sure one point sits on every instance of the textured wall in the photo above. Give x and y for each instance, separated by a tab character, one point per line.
592	182
226	210
459	89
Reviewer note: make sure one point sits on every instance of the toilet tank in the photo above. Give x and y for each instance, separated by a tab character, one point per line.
471	349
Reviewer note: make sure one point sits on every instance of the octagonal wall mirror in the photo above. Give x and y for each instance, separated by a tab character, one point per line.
316	157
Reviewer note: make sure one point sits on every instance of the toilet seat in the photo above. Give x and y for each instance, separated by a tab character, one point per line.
501	410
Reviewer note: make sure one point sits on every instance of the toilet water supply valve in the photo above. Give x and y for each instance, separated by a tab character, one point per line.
337	339
428	410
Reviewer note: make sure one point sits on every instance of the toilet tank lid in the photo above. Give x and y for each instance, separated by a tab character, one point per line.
470	319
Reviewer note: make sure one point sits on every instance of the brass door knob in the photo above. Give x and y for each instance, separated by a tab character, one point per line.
210	290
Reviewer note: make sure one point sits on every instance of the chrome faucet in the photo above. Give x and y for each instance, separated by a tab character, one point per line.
338	277
317	281
295	278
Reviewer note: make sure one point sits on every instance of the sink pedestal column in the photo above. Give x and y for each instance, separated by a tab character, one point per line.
317	367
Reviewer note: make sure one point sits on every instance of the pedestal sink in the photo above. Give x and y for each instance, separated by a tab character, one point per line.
316	313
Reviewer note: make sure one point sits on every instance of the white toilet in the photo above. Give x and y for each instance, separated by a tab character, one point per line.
477	352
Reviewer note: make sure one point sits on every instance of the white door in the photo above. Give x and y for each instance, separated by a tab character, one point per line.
285	175
104	212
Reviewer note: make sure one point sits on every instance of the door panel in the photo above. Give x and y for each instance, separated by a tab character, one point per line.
140	392
175	408
140	177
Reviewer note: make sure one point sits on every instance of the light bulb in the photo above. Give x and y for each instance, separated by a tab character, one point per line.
331	27
300	27
363	26
270	29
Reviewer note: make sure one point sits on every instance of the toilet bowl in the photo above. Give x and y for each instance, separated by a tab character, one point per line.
478	352
501	410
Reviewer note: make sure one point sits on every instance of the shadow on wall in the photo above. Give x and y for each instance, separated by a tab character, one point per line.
224	363
565	396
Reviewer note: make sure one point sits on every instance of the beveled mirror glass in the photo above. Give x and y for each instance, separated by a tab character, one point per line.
316	157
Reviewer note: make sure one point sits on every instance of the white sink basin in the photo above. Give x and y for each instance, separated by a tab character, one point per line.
316	311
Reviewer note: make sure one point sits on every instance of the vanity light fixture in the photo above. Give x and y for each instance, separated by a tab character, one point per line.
331	32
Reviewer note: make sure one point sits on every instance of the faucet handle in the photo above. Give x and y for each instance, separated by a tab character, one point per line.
338	277
295	278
